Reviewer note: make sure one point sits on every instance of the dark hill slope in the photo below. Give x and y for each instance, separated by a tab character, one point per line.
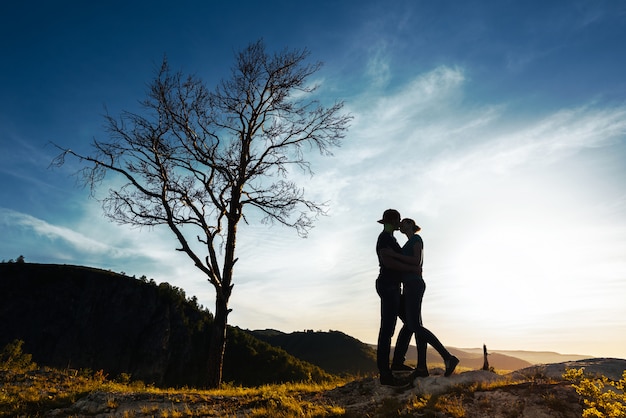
333	351
79	317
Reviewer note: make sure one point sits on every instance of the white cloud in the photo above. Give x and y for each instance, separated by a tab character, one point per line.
547	141
42	228
378	65
382	116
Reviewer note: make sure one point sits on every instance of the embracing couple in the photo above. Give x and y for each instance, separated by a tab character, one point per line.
401	288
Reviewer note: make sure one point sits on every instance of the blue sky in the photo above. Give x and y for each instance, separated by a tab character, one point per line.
500	127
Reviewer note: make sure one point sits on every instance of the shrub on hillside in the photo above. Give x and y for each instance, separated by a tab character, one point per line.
12	357
601	396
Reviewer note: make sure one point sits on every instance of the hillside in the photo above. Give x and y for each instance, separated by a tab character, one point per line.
320	348
84	318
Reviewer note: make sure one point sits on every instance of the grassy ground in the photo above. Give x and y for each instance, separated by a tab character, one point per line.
30	391
42	391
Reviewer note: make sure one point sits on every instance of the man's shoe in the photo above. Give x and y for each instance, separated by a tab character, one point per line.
401	368
419	373
451	364
393	382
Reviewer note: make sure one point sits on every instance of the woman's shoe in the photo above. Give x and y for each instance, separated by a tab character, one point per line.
451	364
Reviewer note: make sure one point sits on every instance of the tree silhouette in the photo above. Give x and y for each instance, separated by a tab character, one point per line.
196	159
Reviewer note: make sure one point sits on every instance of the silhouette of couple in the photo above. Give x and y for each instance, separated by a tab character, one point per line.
401	288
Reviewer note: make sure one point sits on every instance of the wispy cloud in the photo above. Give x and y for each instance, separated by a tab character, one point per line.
91	240
377	68
44	229
426	93
547	141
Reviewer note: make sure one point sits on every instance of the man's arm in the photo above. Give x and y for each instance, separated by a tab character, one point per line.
391	262
407	259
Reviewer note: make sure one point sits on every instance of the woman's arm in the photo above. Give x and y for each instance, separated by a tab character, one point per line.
390	261
408	259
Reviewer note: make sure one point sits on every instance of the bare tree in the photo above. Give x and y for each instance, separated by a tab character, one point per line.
196	159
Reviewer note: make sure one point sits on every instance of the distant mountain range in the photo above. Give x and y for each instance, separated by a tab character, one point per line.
473	358
81	317
532	357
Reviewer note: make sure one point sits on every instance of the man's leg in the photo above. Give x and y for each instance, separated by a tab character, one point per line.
389	303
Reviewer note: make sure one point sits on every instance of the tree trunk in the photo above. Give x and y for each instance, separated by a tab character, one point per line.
217	344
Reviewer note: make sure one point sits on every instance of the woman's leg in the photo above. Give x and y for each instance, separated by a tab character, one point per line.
423	336
413	292
422	333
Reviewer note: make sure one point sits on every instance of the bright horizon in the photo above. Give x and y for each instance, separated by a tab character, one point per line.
500	128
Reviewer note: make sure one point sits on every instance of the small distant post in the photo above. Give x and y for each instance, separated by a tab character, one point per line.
485	361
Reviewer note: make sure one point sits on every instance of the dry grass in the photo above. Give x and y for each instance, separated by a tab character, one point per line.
32	392
26	390
44	391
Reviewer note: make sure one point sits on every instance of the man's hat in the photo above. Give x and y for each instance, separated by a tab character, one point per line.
390	216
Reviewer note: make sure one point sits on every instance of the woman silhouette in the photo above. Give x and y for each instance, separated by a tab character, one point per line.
413	288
